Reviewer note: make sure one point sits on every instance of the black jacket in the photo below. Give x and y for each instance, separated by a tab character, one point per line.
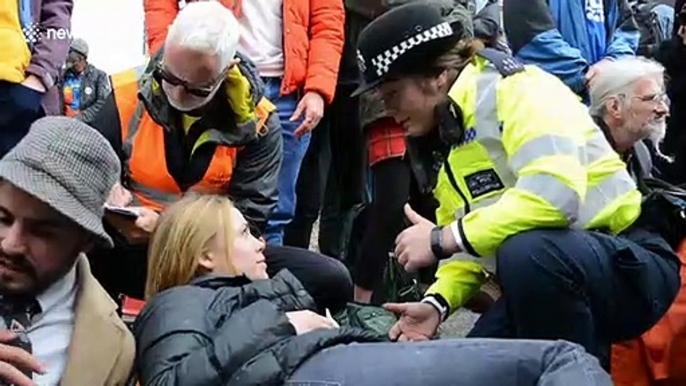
95	88
227	331
672	55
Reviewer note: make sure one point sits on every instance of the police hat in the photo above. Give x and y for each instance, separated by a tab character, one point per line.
402	41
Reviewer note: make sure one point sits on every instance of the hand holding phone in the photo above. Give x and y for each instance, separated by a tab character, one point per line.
16	364
134	223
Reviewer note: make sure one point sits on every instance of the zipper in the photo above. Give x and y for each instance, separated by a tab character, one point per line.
451	178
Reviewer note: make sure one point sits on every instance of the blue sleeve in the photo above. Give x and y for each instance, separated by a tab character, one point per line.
535	39
625	36
553	54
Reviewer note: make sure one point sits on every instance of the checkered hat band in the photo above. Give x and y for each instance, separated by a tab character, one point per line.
383	61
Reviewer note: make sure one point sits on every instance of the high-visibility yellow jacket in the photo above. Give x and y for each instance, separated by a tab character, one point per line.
530	157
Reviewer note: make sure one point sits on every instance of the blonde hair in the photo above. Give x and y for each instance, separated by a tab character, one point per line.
459	56
182	235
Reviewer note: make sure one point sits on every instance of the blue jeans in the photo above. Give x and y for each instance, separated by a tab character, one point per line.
589	288
20	106
474	362
294	149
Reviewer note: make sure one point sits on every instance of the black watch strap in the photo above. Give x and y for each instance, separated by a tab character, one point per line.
437	244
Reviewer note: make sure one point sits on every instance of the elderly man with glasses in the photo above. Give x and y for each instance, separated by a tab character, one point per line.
629	103
196	120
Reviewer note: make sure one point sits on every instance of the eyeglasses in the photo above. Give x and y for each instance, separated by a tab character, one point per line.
161	74
654	98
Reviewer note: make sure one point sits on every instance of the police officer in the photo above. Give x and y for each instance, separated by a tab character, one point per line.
525	177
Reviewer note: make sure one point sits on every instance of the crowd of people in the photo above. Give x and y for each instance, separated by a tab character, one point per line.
521	159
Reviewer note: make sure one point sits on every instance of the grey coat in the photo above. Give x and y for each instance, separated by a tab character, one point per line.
95	88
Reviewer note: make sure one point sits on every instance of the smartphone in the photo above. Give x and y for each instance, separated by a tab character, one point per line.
123	211
21	341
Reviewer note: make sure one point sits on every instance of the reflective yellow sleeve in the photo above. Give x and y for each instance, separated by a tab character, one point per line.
544	134
457	282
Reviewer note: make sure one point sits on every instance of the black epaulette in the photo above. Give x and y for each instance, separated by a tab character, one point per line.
503	62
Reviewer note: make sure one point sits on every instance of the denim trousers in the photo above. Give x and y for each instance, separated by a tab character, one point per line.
585	287
332	178
20	106
294	149
474	362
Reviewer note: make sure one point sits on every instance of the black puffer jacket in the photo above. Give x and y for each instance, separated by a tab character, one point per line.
228	331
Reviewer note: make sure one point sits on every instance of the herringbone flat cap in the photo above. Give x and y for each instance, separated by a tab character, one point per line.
69	166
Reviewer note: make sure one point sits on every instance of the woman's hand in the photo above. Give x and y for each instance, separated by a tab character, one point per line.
306	321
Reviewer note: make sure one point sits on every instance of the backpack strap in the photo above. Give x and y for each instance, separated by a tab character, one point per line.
505	64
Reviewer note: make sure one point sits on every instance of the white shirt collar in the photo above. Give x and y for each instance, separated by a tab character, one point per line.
58	292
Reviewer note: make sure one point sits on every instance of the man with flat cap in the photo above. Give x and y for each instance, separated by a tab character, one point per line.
57	324
525	177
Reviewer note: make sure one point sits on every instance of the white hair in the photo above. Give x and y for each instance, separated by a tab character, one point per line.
208	27
617	77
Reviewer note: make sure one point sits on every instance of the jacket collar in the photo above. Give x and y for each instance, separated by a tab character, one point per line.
96	342
450	122
220	119
217	281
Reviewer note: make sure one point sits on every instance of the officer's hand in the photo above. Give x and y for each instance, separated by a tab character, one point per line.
418	321
12	359
413	245
119	196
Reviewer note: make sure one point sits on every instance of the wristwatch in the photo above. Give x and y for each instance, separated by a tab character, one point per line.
437	244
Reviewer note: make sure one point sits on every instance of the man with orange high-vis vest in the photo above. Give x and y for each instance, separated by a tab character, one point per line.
195	120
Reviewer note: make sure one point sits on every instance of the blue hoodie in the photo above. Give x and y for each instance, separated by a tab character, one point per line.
558	36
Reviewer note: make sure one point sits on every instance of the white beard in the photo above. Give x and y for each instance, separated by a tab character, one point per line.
656	134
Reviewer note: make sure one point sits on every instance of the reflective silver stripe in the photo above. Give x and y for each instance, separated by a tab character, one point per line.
565	199
600	196
543	146
134	124
162	198
488	127
127	146
487	124
597	147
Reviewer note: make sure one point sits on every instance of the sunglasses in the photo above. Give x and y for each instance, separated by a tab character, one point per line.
162	74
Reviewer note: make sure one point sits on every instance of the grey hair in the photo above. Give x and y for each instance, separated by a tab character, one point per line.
208	27
617	77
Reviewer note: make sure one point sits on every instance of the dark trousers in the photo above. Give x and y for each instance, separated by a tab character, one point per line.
385	220
589	288
122	270
332	177
393	185
20	106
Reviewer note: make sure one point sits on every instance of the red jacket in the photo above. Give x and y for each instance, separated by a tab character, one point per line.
313	40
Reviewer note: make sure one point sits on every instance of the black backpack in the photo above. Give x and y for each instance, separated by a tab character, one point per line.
652	32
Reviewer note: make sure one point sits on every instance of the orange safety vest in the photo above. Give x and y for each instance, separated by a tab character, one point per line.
145	161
